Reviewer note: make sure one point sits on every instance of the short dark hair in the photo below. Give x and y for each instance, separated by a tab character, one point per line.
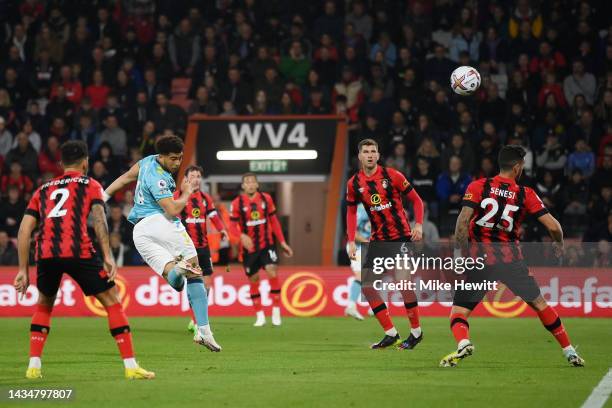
367	142
245	175
194	167
73	151
510	155
169	144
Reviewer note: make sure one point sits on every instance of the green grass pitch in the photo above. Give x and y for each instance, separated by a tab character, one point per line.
310	362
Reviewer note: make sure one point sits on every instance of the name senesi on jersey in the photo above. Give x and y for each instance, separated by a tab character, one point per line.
503	193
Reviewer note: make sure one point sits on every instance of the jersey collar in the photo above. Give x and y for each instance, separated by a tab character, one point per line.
506	179
72	173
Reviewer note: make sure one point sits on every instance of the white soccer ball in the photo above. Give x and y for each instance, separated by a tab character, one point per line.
465	80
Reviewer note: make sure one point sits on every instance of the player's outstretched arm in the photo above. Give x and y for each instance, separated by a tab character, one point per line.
554	230
173	207
101	229
24	236
123	180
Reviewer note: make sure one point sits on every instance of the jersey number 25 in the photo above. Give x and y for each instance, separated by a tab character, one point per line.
507	214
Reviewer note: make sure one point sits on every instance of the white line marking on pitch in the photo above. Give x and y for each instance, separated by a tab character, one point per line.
600	394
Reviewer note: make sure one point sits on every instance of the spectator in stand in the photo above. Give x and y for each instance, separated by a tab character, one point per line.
588	129
119	251
576	195
451	186
460	148
115	136
487	168
72	86
111	162
361	21
87	132
8	251
49	160
202	104
467	41
582	159
146	141
579	83
100	174
184	48
397	159
329	23
118	224
351	88
552	156
550	191
235	90
424	181
296	64
168	116
97	92
25	155
551	88
437	67
16	179
6	138
11	211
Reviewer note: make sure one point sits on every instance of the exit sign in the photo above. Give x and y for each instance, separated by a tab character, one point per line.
268	166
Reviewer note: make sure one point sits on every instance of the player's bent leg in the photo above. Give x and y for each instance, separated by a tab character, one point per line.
256	299
39	330
461	331
552	322
275	293
120	330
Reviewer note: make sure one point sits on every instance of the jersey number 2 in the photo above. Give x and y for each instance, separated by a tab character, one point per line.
506	214
58	211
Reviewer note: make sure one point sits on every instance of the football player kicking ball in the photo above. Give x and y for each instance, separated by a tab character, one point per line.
61	208
253	218
159	235
493	209
362	235
199	208
380	190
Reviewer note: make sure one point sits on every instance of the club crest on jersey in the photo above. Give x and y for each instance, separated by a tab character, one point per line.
375	199
195	213
385	184
255	215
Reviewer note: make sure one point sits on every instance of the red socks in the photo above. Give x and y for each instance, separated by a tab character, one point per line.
550	320
39	329
274	291
460	327
120	330
412	310
255	296
382	315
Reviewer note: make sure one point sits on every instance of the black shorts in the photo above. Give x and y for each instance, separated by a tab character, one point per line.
386	249
253	262
514	275
205	261
88	273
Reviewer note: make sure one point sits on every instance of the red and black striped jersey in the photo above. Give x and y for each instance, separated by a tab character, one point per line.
253	215
62	207
500	206
199	207
381	195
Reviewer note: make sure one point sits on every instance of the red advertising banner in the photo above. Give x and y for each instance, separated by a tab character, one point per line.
307	292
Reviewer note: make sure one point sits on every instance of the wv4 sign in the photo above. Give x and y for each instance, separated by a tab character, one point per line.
292	145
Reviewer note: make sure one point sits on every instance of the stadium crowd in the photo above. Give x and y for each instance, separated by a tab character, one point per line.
110	73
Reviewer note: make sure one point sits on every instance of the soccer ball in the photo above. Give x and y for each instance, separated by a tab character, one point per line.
465	80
